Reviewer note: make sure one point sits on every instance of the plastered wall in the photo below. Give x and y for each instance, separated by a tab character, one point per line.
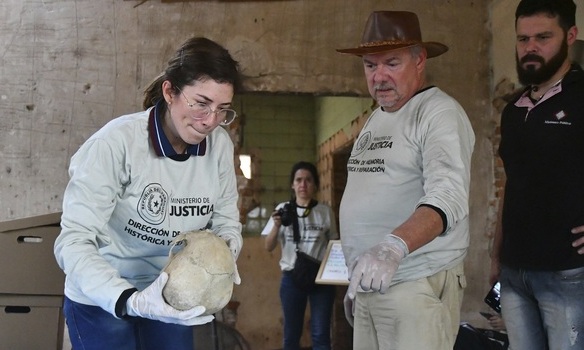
69	66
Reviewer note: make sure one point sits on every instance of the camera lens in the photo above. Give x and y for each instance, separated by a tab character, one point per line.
286	215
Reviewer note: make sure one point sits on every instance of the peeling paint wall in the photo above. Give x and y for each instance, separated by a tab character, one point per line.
69	66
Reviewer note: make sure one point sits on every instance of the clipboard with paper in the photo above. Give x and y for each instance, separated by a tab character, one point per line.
333	269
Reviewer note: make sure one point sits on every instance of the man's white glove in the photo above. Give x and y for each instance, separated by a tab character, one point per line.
349	305
374	269
150	304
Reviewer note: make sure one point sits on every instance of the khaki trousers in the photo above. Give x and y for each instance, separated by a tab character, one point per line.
414	315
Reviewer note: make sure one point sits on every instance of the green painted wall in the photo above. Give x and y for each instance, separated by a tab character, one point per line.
279	131
336	113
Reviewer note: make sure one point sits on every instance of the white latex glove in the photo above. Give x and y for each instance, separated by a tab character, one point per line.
234	245
235	276
374	269
150	304
349	306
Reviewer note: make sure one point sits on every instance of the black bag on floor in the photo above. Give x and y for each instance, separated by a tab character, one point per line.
471	338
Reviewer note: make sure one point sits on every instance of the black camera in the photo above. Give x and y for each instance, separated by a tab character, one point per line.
286	214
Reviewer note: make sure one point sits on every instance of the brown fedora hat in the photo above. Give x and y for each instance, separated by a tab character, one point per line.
391	30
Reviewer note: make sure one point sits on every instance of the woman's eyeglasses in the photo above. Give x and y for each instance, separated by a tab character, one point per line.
203	110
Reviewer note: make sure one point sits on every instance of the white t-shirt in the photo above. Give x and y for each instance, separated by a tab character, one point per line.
417	155
316	229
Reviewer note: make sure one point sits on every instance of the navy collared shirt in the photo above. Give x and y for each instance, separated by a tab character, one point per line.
160	142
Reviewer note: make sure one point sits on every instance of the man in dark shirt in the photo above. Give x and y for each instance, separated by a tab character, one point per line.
538	253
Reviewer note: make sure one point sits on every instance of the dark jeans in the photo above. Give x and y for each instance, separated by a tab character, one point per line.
92	328
294	302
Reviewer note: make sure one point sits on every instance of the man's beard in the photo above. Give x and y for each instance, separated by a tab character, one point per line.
532	76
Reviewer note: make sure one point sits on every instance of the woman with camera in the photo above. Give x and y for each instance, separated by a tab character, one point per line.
315	225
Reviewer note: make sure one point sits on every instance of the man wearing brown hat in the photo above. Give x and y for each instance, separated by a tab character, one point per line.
404	212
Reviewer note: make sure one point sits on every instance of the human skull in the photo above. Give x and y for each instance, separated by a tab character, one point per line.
200	273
